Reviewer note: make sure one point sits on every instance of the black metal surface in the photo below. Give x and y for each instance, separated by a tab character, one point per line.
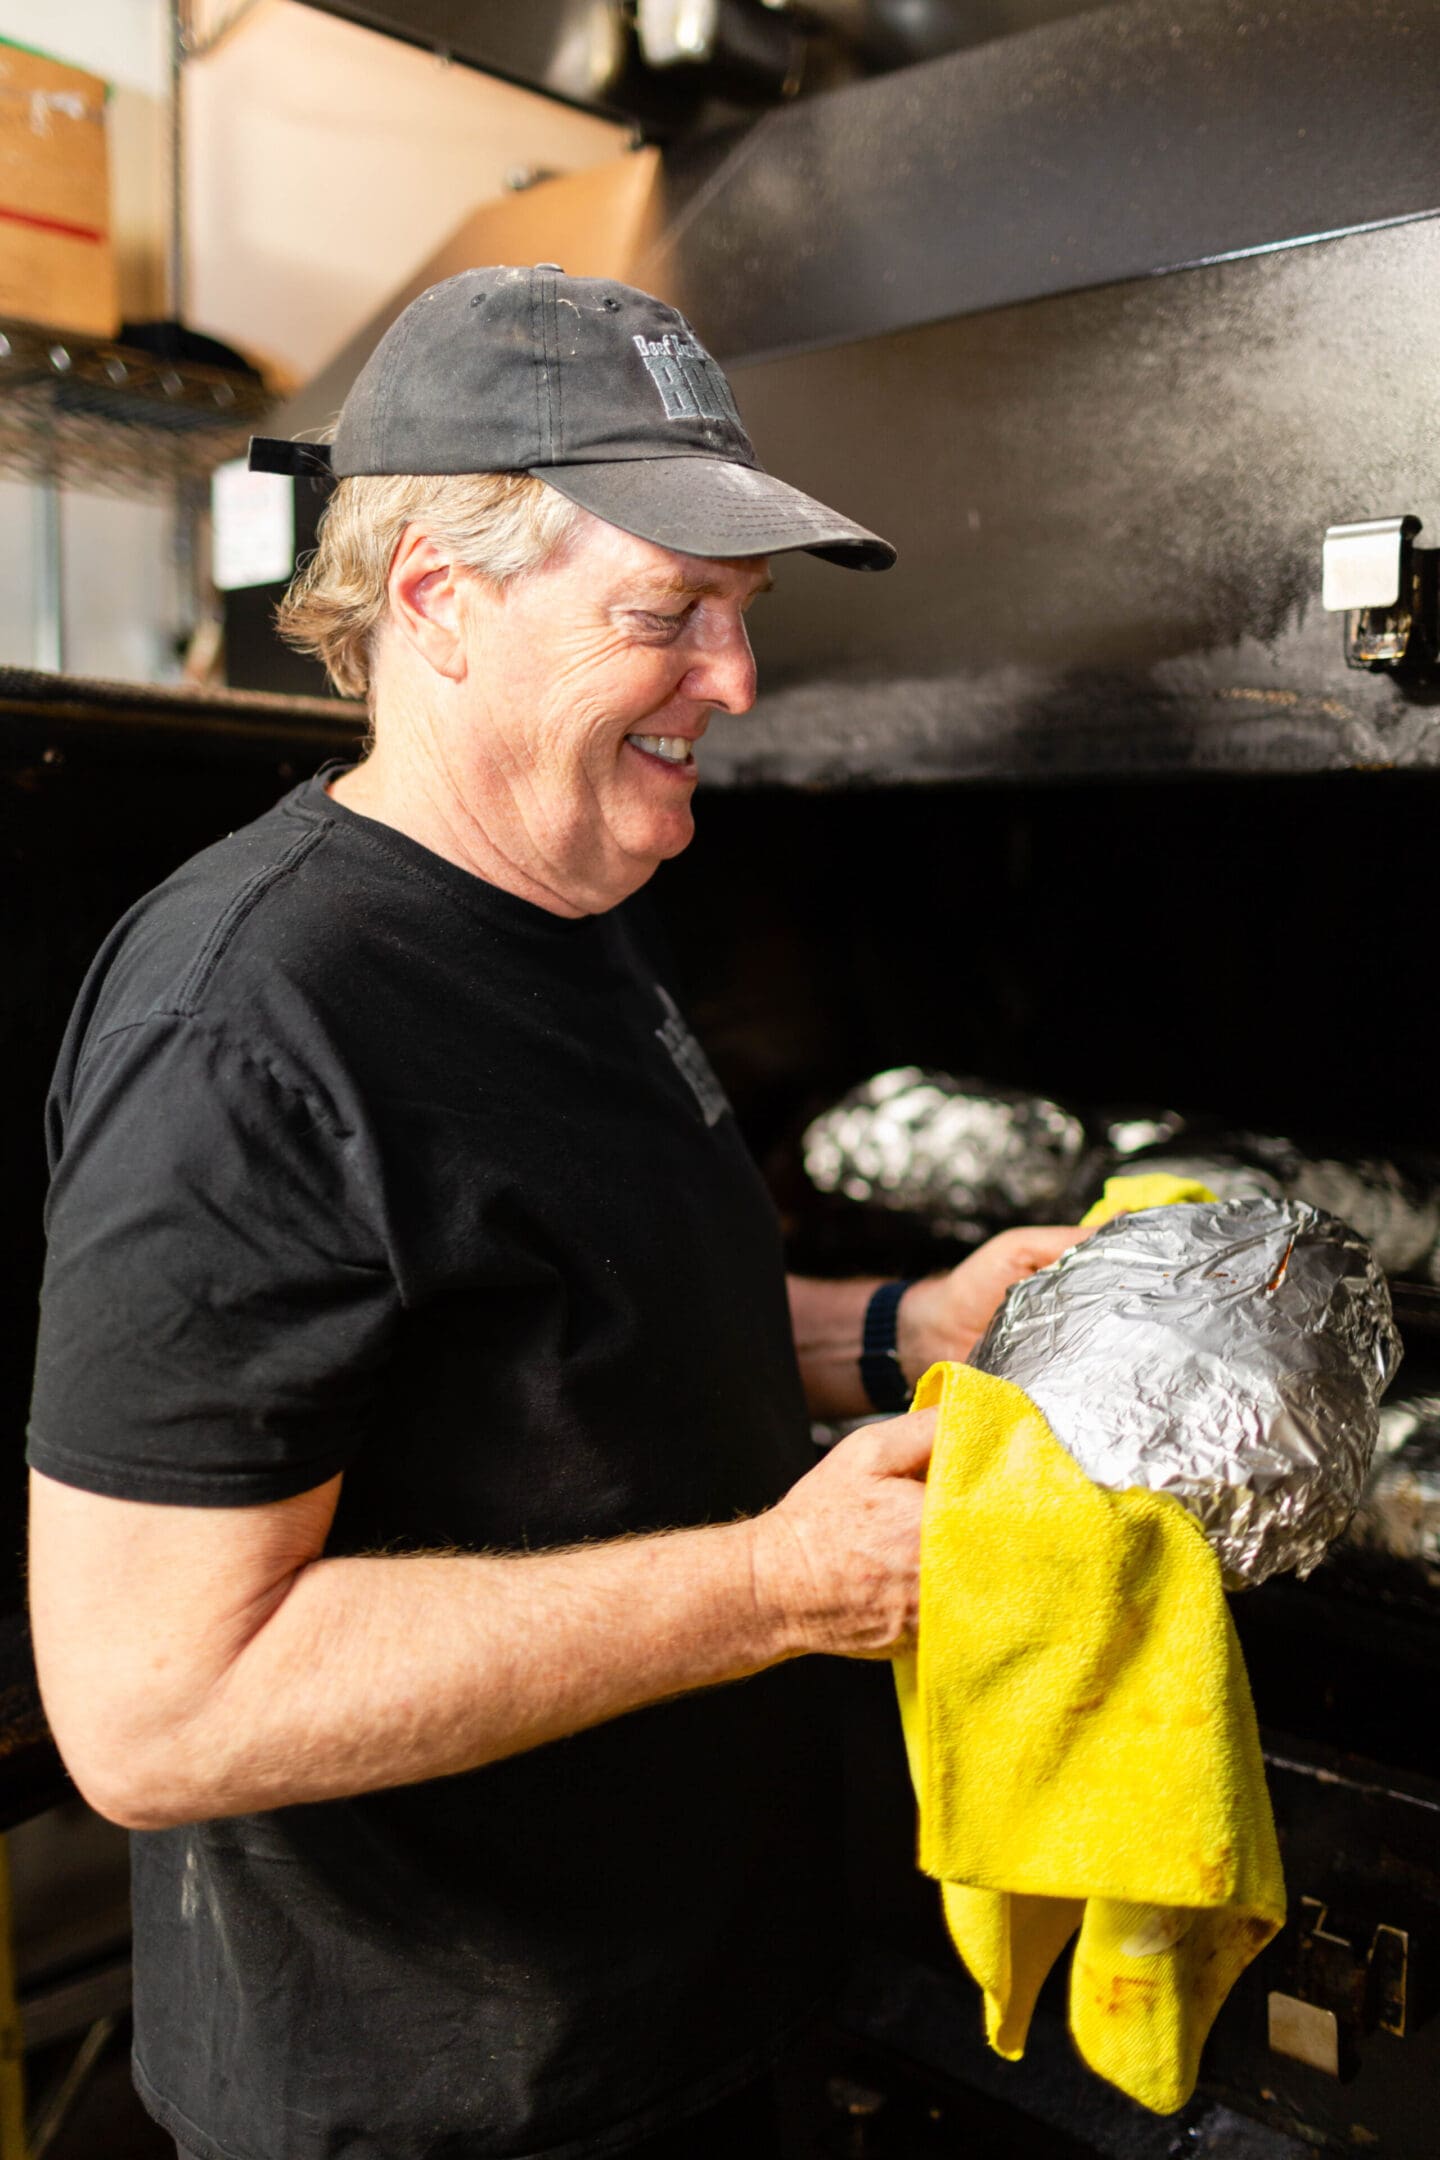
1365	1842
896	33
32	1776
39	711
1260	948
1130	139
1109	508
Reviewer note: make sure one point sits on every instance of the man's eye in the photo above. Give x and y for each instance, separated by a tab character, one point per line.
665	625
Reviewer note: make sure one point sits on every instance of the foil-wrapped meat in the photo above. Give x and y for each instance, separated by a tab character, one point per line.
1397	1215
966	1156
1397	1524
1232	1353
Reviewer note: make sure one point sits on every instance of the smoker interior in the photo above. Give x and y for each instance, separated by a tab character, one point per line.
1256	948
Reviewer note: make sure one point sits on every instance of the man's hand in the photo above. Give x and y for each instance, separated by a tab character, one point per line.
945	1315
838	1560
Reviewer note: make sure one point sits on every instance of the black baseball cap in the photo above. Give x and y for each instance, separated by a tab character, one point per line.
597	389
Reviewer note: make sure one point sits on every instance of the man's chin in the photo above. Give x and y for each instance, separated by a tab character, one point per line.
659	842
683	823
659	832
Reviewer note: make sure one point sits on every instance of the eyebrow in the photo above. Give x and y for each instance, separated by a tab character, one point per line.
681	588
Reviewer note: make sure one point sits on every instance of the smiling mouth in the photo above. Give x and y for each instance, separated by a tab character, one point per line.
676	751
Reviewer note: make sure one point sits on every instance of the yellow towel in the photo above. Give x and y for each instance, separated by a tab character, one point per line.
1082	1742
1128	1195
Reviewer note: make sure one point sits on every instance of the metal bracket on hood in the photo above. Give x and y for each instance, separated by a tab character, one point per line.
1388	590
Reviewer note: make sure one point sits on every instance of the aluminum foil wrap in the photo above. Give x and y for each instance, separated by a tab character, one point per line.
967	1156
1396	1215
1399	1515
1232	1353
1395	1210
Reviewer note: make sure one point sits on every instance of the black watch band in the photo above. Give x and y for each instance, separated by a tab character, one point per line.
880	1373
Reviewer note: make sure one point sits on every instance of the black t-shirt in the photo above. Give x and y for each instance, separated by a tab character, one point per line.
363	1165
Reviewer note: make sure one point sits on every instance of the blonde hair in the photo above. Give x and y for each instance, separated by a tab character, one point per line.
500	525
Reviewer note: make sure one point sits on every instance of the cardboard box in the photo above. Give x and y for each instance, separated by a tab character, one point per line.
57	265
600	222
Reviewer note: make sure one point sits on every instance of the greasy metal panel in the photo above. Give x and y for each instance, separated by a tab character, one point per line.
1110	508
1127	140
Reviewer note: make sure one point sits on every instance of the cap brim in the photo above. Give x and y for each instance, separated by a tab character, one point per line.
708	506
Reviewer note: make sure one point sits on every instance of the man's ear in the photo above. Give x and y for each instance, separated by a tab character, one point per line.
425	603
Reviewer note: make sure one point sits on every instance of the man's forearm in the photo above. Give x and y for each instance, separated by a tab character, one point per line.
379	1671
383	1671
827	1320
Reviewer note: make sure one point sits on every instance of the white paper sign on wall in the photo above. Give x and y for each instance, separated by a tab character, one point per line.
253	527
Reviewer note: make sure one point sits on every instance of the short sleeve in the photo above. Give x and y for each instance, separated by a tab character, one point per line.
217	1303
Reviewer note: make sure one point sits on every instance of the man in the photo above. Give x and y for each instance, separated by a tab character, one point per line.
419	1437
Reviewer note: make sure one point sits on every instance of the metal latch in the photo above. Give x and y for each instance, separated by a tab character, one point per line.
1386	588
1340	1992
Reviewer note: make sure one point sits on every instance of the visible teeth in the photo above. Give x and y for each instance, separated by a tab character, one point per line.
675	749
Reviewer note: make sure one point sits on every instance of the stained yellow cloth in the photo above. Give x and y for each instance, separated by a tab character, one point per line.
1082	1742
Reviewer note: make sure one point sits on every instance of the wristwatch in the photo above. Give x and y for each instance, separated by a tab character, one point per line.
880	1373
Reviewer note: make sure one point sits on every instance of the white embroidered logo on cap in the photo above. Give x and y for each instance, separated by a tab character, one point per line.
688	380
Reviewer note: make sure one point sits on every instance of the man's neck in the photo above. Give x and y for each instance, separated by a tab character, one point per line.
431	813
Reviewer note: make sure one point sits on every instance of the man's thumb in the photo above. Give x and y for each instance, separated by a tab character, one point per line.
903	1445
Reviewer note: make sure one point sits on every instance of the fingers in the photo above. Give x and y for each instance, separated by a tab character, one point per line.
1039	1244
902	1446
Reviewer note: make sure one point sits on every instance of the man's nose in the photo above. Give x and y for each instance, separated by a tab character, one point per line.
725	676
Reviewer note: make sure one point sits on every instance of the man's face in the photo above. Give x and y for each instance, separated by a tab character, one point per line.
589	684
